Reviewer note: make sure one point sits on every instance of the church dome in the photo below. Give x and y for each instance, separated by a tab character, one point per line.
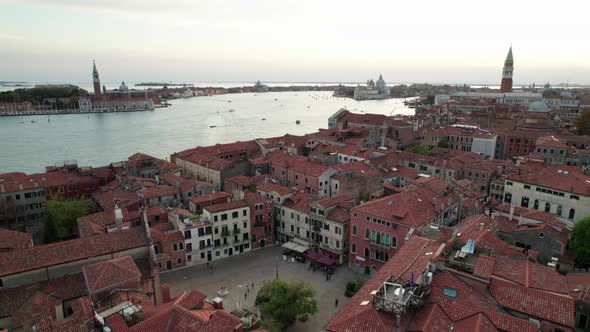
539	106
123	87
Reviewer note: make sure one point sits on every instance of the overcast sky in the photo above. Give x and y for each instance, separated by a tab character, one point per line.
297	41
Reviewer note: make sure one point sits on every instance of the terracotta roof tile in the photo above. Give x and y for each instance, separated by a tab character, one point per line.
552	307
110	273
13	240
226	206
69	251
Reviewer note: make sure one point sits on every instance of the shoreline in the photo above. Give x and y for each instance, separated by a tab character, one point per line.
65	112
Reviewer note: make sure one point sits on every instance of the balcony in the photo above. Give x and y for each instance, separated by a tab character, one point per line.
205	246
225	233
236	231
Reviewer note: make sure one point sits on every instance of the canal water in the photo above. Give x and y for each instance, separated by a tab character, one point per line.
30	143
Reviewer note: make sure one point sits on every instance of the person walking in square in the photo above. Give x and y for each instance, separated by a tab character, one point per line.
336	303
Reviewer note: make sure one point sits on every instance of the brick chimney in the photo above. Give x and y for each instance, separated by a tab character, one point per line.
511	212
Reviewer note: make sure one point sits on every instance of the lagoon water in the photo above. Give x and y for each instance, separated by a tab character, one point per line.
99	139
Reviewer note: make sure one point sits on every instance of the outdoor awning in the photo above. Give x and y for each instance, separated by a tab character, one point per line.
314	256
469	247
326	261
295	247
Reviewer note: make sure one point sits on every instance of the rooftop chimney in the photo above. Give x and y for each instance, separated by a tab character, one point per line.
511	212
118	217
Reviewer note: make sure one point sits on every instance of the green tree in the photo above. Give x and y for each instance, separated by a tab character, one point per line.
583	123
271	325
50	232
420	149
63	213
580	242
287	301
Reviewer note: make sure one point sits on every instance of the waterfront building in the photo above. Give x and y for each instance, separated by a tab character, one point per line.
373	90
121	100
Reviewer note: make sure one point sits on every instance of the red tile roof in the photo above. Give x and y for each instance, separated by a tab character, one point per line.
552	307
175	317
358	168
484	266
158	191
68	251
412	258
530	274
15	299
413	207
11	240
579	285
550	141
269	187
430	318
226	206
565	178
210	197
476	323
102	275
116	323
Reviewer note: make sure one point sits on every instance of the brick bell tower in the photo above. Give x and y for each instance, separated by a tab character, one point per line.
507	72
95	80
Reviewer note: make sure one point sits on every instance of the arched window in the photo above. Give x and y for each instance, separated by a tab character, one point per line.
353	248
367	233
547	207
536	205
572	213
354	230
366	252
394	242
559	210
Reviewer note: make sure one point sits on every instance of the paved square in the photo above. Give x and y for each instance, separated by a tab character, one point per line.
239	272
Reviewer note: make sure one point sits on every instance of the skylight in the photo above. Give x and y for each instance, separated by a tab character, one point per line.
450	292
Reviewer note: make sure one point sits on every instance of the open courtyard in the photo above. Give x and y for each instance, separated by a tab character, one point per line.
238	273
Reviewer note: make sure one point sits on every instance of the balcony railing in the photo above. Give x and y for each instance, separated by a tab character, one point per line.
205	246
236	231
224	233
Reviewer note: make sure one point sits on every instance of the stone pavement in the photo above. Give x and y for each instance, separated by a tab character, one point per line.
237	274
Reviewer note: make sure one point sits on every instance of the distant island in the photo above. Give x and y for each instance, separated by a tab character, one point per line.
162	84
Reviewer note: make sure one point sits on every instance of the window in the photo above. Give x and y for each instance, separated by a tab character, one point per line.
394	242
559	210
450	292
541	235
547	207
181	246
353	248
572	214
524	202
526	186
368	232
178	261
354	230
234	214
577	198
175	247
187	234
366	252
536	204
326	226
224	216
508	198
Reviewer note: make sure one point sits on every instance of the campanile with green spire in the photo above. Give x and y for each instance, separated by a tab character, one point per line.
507	71
95	80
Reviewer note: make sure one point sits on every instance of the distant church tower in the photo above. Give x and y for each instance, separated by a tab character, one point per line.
96	80
507	72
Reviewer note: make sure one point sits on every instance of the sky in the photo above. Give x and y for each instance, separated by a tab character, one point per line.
408	41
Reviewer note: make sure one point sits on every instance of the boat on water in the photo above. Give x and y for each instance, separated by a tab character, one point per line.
212	126
297	122
232	110
32	121
263	119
